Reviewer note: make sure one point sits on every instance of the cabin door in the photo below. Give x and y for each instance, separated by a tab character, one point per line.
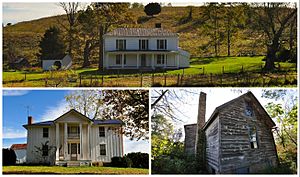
73	151
143	60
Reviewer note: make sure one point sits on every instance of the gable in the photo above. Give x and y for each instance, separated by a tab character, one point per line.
73	116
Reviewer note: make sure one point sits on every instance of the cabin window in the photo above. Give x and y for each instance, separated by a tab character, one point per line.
249	111
102	149
161	44
143	44
253	137
45	150
45	132
118	59
160	59
101	132
121	44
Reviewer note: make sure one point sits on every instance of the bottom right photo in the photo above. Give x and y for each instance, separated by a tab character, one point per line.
224	131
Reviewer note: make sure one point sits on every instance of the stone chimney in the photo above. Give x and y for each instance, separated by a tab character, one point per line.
157	25
201	116
201	110
30	120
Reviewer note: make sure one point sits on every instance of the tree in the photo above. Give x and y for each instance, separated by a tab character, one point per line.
272	19
152	9
8	157
136	5
130	106
108	15
89	33
71	10
51	44
45	152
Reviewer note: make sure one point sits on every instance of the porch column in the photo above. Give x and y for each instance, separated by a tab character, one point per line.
106	61
137	60
122	60
152	61
177	61
89	141
165	60
65	140
80	135
57	140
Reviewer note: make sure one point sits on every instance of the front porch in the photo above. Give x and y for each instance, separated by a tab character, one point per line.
72	140
142	60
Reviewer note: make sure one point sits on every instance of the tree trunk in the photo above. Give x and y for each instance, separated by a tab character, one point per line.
271	56
100	64
86	54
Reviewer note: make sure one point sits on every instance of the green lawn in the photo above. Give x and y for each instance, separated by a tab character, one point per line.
206	66
71	170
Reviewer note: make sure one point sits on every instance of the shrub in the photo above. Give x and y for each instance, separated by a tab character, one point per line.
8	157
152	9
121	162
139	160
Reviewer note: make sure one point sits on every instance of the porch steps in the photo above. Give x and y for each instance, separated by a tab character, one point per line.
73	163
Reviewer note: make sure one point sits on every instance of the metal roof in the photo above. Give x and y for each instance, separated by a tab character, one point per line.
141	32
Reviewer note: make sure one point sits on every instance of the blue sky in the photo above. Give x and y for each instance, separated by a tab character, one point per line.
43	105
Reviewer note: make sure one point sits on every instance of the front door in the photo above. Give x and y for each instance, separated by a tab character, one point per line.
73	151
143	60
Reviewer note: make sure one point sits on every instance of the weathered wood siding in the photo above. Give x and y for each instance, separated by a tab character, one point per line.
236	154
190	138
213	145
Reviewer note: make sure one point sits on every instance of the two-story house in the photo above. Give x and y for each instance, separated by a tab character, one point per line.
73	138
143	48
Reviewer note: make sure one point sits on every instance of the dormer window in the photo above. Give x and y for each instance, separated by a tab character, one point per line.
161	44
249	111
120	44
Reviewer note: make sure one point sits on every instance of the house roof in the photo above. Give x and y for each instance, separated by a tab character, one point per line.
141	32
18	146
95	122
249	94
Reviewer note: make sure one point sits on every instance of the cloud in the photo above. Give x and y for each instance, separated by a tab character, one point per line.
15	92
53	112
136	146
10	133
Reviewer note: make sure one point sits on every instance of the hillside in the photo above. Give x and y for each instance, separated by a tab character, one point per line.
191	33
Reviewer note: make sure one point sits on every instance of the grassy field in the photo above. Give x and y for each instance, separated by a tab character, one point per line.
71	170
205	66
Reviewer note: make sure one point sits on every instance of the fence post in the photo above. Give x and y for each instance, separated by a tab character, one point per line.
182	71
222	69
203	70
178	79
242	68
141	80
80	80
91	79
25	77
165	77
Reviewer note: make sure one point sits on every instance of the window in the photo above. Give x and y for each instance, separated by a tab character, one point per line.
143	44
101	132
118	59
78	148
249	111
253	137
45	132
45	150
161	44
160	59
121	44
102	149
69	148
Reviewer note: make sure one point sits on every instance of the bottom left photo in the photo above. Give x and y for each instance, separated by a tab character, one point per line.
93	131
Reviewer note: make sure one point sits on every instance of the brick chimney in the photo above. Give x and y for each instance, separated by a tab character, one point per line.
201	116
30	120
201	110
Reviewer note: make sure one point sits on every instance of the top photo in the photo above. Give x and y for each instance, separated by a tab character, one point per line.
153	44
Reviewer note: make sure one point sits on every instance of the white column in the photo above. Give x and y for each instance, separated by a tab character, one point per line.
122	60
152	61
89	141
177	60
57	140
80	135
137	61
106	61
165	60
65	140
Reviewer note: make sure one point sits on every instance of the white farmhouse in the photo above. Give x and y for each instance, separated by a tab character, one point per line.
73	139
60	62
143	48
